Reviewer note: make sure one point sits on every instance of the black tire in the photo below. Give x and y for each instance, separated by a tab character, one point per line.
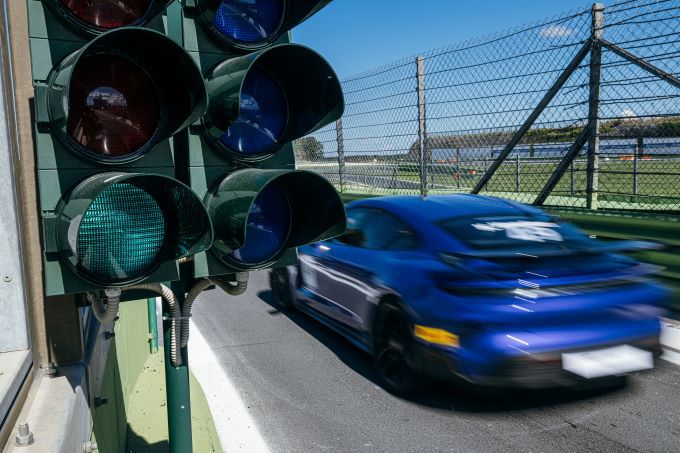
393	351
279	281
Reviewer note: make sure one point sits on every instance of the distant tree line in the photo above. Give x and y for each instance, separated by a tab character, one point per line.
620	128
311	149
308	148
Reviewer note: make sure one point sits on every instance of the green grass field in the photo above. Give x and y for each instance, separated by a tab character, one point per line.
655	178
658	181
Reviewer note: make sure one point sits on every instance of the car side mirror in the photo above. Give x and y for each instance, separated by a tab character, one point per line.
353	237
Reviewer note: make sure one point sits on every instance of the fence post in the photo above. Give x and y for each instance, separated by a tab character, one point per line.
341	152
594	106
422	126
517	182
458	169
568	159
533	116
636	155
486	167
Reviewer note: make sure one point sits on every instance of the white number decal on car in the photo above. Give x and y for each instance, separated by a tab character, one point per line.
524	230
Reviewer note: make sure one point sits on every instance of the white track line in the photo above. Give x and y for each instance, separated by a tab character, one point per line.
235	426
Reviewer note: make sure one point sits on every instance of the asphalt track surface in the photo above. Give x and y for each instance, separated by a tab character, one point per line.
309	390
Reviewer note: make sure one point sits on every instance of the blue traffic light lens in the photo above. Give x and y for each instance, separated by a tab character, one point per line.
248	21
121	234
267	227
262	118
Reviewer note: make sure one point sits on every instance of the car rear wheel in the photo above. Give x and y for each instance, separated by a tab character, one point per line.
279	281
394	351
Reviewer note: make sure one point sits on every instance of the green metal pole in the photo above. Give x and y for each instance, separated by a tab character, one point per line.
153	325
177	379
178	397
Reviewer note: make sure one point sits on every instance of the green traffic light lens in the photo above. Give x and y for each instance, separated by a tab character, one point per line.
121	234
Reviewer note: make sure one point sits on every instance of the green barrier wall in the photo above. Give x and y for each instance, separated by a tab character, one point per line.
134	418
127	355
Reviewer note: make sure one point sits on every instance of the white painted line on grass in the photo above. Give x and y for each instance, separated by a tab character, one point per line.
235	426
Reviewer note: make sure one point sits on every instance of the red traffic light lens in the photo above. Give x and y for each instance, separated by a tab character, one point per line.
107	14
114	108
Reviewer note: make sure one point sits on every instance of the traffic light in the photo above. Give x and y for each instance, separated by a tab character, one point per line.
93	17
247	25
261	101
165	134
263	93
113	212
163	137
260	214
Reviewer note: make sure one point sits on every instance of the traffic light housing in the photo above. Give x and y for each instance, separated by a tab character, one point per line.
260	214
98	16
261	101
119	95
113	211
263	94
167	136
245	26
117	228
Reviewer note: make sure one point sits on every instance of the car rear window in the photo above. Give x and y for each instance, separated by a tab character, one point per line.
514	232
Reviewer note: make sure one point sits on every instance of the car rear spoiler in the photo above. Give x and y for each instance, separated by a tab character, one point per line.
603	247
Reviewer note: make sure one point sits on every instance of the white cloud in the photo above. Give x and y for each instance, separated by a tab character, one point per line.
628	113
556	31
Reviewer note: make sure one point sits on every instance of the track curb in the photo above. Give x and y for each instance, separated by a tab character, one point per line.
670	340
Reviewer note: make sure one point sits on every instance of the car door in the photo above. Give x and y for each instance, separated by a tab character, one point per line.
353	266
322	277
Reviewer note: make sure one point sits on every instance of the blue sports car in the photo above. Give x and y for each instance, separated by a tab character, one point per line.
479	288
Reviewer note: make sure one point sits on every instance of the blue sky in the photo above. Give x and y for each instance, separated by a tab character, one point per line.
357	35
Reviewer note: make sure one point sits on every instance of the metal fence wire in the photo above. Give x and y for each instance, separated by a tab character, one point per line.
580	110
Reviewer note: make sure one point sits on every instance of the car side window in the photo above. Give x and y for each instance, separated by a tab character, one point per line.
354	236
383	231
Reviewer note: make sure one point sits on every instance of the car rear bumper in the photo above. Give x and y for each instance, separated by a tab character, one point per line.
539	370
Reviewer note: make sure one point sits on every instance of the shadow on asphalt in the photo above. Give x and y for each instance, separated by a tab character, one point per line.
441	395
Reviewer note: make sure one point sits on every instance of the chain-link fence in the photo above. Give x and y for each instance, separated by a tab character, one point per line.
580	110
